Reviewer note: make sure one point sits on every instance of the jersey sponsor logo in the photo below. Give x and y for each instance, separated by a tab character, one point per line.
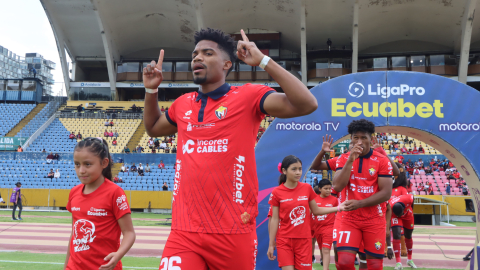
329	205
122	202
361	189
297	215
286	200
83	235
359	178
97	212
238	170
187	114
373	158
178	173
321	218
305	264
221	112
302	198
205	146
75	209
371	171
189	126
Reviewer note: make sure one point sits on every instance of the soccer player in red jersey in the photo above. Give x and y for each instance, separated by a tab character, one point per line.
291	202
323	225
402	216
216	186
367	177
399	187
100	212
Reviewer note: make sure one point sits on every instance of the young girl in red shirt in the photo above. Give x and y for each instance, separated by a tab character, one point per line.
100	212
291	202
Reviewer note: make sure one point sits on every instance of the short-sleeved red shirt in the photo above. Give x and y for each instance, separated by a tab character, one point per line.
324	220
407	200
294	210
216	184
95	232
363	183
332	164
399	191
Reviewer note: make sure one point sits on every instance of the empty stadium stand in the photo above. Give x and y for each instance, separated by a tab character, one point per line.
39	119
12	114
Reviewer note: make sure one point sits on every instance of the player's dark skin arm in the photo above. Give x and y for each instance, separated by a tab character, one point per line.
318	164
388	218
296	101
384	193
341	178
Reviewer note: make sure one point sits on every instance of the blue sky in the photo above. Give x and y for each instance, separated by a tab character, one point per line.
24	28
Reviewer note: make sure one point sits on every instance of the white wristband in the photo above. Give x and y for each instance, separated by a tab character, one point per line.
151	91
390	247
264	62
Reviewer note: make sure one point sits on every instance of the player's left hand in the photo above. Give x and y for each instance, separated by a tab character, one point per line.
376	142
270	255
248	52
327	142
389	253
112	262
351	205
342	206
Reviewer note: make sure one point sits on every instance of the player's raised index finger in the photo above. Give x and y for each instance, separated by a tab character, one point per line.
244	36
160	58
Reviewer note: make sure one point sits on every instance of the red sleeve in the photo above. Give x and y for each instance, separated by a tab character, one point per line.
120	204
385	169
312	194
380	150
170	114
269	211
274	201
69	206
404	192
332	164
341	161
335	203
259	93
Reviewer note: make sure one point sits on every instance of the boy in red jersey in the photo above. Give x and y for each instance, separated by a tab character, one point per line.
323	225
291	201
402	216
367	177
214	211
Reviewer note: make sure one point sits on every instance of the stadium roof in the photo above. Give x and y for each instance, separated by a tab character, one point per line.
133	29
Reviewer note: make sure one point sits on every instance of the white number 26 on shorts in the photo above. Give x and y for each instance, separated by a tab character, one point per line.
168	264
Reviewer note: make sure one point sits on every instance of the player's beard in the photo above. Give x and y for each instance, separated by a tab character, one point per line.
199	80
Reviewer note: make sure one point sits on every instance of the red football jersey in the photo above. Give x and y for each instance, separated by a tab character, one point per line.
95	232
216	185
269	211
407	200
294	210
399	191
324	220
332	164
363	183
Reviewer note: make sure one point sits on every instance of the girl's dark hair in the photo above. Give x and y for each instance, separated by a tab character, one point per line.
98	147
287	161
401	180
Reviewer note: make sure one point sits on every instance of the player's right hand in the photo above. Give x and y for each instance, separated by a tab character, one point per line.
389	253
355	152
270	255
152	73
327	142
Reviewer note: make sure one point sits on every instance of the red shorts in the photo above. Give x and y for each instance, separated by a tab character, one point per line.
294	251
324	236
406	222
351	234
202	251
336	226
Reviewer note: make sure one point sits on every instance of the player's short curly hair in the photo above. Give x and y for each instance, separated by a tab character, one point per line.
361	125
225	42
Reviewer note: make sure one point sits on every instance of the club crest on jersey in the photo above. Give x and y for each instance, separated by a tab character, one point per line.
245	217
371	171
378	245
221	112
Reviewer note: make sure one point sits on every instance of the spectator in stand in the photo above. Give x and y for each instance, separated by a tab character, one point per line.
115	179
114	142
110	134
79	136
151	144
400	159
270	119
80	108
416	171
421	150
410	163
19	149
395	139
56	158
139	149
56	174
154	151
163	145
44	151
428	170
174	150
315	182
122	169
410	187
107	123
162	109
126	150
50	174
426	188
105	133
72	136
141	171
165	186
462	181
50	158
420	162
134	108
464	189
447	188
115	133
156	142
120	180
415	151
389	137
133	168
147	168
432	162
161	166
421	170
111	123
420	188
456	174
430	190
167	150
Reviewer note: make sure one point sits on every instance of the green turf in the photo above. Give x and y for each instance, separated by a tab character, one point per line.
126	261
464	224
50	217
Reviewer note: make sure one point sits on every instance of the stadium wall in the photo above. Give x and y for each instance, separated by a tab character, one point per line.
59	198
